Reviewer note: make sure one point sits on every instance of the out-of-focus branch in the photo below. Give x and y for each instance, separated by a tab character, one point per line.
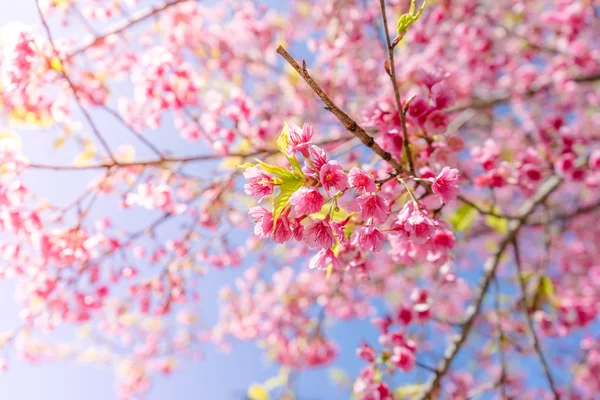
489	269
87	116
530	326
123	26
350	125
165	161
392	75
478	104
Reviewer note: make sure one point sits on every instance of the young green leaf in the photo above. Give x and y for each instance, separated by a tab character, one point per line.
498	224
463	218
282	145
287	188
406	20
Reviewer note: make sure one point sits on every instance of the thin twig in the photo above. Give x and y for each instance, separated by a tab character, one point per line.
536	342
166	161
478	104
489	269
350	125
124	26
502	377
392	74
73	88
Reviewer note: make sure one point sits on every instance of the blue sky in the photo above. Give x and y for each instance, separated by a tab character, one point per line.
219	376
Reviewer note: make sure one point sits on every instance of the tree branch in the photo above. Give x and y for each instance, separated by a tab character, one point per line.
392	75
479	104
165	161
125	25
73	88
350	125
530	326
489	269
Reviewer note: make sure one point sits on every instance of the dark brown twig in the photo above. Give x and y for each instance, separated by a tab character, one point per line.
350	125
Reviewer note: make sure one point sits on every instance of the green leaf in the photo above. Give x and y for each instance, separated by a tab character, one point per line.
498	224
282	144
546	286
277	170
283	139
287	188
408	391
406	20
463	218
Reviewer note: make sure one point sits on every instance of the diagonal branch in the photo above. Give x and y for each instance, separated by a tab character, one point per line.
489	269
350	125
536	342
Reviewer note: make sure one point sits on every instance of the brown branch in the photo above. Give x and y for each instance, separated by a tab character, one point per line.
489	269
392	75
124	26
165	161
478	104
536	342
480	210
350	125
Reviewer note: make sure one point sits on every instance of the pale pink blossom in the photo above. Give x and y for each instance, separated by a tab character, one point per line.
259	183
319	234
368	238
361	180
299	140
307	200
323	259
332	175
444	185
372	206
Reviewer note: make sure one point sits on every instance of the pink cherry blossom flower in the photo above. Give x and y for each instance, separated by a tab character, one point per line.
259	183
436	123
415	222
332	175
418	107
264	221
444	185
317	156
442	95
300	140
403	358
372	206
368	238
307	200
338	230
319	234
361	180
366	353
323	259
282	231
